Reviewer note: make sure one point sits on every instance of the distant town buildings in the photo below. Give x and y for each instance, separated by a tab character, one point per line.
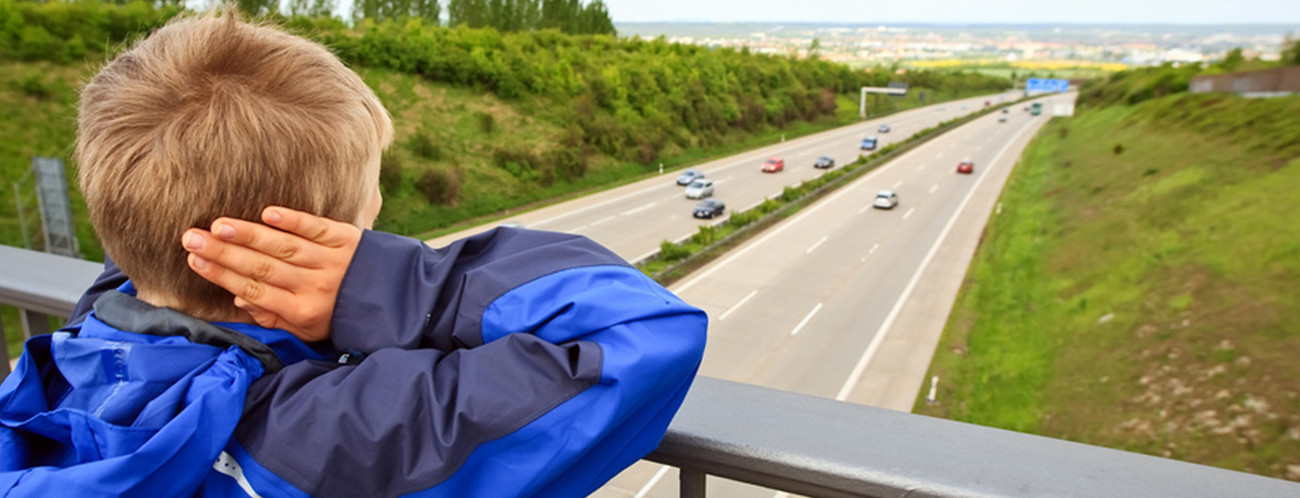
889	44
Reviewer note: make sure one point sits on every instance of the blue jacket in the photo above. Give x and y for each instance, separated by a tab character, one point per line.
512	363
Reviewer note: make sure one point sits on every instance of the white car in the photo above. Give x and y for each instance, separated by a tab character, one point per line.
885	200
699	189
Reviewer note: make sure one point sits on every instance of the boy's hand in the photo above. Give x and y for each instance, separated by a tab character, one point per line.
285	279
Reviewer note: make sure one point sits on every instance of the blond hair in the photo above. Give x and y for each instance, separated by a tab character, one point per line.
212	116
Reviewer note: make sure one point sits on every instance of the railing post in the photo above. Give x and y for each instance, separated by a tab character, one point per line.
34	323
692	482
4	348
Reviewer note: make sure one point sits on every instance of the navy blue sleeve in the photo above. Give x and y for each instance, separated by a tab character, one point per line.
399	292
110	279
539	364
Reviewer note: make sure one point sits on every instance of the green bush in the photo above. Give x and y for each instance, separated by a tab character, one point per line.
390	172
668	251
33	85
440	186
705	235
423	146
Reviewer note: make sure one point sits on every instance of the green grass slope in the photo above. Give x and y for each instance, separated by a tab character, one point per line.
1141	287
494	154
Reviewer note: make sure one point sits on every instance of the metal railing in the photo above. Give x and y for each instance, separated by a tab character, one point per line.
810	445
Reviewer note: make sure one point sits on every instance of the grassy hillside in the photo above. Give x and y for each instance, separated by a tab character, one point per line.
1141	287
495	150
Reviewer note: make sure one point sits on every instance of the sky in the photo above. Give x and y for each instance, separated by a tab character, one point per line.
961	11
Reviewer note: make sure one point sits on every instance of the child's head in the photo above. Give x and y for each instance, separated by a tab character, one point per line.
211	116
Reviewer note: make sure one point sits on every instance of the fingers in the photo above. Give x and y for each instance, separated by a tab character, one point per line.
221	257
320	230
251	291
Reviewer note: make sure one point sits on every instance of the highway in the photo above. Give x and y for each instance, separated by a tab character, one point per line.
845	301
633	219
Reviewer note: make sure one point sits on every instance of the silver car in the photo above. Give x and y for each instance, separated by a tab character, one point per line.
699	189
689	176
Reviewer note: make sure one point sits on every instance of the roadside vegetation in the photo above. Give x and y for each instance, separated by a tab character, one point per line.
1140	288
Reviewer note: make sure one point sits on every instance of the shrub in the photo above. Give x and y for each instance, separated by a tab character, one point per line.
440	186
791	194
705	235
390	171
423	146
487	123
34	86
668	251
743	218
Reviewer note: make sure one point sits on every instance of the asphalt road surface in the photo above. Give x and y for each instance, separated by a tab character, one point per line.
633	219
847	301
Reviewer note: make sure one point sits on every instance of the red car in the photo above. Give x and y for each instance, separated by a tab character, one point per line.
773	165
966	166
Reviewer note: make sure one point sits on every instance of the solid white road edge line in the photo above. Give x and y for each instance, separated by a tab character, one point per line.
879	338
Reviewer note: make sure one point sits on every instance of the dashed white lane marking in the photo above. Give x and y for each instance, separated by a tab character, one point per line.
872	251
934	187
663	469
815	244
737	306
805	320
896	184
636	210
909	213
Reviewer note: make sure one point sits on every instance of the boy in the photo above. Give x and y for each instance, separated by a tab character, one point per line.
507	364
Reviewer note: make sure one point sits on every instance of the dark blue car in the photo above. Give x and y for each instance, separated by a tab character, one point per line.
869	143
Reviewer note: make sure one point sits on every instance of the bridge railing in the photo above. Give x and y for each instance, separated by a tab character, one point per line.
806	444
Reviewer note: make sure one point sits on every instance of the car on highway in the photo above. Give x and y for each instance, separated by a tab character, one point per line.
868	143
773	165
709	208
884	128
689	176
699	189
987	103
1005	110
1002	119
824	162
885	199
966	166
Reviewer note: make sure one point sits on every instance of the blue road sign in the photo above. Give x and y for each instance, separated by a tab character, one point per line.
1047	85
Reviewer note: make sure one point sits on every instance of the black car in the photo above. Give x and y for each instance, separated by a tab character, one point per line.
824	162
709	208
